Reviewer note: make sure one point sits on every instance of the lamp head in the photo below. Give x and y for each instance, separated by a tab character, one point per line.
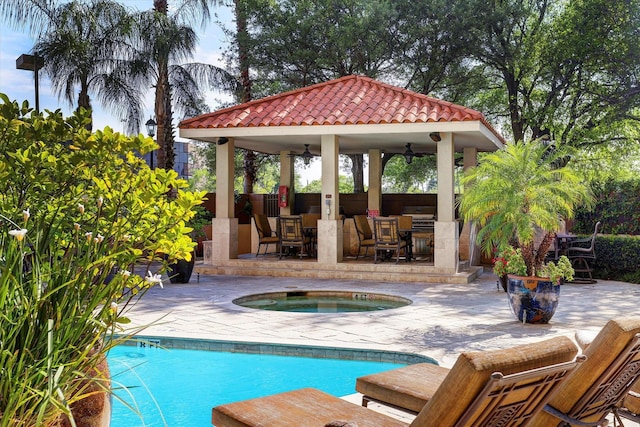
151	127
408	154
306	155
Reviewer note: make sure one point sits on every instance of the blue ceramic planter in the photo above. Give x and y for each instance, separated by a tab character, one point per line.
532	299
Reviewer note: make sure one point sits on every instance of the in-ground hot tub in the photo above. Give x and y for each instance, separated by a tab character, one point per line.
322	301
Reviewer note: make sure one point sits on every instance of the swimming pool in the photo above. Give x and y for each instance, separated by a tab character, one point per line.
177	387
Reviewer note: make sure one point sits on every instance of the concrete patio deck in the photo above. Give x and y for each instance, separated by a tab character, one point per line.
444	319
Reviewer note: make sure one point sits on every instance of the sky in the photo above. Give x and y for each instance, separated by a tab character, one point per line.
19	85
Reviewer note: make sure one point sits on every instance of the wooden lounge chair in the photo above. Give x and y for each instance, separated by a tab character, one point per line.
490	388
599	386
613	364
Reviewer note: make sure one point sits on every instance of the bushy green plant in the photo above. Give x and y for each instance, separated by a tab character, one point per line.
617	258
559	271
510	261
82	220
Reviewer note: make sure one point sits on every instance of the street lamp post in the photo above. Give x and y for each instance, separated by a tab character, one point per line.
31	63
151	131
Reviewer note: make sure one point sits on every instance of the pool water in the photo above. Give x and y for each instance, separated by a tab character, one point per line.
322	301
172	387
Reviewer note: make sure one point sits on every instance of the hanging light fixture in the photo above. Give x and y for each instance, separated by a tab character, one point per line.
435	136
408	154
306	155
151	127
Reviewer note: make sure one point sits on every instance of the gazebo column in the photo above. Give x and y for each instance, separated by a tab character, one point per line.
286	178
330	225
468	248
446	226
224	225
374	194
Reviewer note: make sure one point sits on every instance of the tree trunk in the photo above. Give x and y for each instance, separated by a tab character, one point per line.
517	125
164	116
250	171
357	169
249	164
84	101
161	114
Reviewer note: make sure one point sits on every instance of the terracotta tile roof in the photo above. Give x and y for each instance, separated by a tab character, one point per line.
345	101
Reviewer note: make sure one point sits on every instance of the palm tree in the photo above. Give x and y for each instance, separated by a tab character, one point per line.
163	41
81	47
80	43
520	192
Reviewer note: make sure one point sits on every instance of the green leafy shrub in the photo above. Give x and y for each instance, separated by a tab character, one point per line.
617	207
617	258
79	213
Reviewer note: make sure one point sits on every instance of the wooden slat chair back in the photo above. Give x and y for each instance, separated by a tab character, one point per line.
365	235
387	238
266	236
291	235
500	387
600	384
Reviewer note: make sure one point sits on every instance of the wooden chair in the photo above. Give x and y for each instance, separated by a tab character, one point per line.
266	236
310	228
292	235
491	388
405	222
582	254
598	386
365	235
387	239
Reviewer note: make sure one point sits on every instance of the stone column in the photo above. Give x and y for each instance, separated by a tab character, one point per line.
374	194
446	226
469	251
225	225
330	250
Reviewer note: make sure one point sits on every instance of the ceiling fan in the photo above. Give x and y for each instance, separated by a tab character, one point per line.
409	154
306	155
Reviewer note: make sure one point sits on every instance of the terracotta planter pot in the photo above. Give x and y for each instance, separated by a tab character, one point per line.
95	409
532	299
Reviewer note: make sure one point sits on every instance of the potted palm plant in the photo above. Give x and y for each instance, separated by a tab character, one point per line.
519	196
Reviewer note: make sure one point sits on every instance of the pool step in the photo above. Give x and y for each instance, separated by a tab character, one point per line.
382	272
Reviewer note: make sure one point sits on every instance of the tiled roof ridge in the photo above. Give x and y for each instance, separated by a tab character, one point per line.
411	93
279	95
391	104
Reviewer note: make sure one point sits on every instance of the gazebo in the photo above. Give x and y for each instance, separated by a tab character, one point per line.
349	115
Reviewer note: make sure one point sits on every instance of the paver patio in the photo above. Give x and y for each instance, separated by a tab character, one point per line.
443	320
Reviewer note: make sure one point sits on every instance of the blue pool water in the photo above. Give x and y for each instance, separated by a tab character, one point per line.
179	387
